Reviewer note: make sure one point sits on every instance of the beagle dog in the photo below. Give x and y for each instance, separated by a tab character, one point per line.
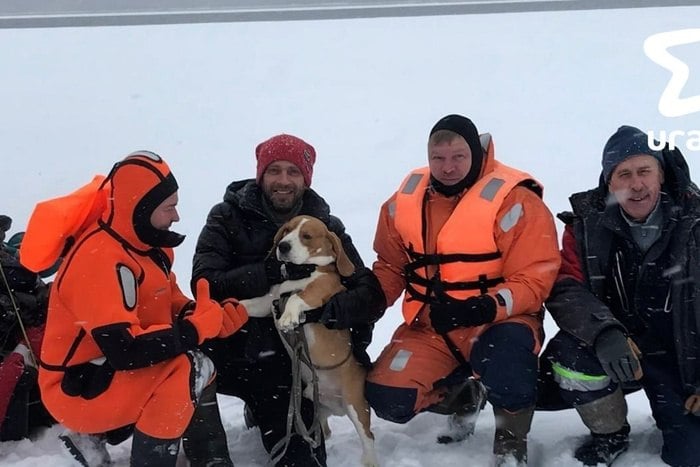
341	379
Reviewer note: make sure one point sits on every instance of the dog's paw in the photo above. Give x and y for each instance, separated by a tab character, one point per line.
288	321
291	317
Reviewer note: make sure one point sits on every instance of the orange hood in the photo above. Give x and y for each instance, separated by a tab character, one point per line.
139	184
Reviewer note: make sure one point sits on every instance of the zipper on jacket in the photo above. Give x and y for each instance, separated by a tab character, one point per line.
620	284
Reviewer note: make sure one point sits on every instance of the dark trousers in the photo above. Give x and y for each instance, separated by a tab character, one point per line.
661	383
505	361
503	358
254	366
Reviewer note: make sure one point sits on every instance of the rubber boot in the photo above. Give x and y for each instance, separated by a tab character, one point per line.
461	423
204	440
249	417
607	419
300	454
88	450
147	451
510	440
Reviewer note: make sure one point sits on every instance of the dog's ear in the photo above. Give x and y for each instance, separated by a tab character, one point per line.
342	262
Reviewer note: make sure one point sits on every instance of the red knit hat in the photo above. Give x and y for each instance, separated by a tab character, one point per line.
286	148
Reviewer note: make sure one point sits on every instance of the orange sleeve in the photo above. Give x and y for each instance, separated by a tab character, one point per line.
391	255
526	236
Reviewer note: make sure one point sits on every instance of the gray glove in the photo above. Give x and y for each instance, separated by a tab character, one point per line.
617	357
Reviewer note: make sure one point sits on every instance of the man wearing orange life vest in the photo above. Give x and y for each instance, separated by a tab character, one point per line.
473	246
120	348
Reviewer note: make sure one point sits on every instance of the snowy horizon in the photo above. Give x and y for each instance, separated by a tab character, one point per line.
550	87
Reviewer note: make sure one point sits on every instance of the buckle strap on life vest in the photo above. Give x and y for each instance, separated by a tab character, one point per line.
420	260
435	286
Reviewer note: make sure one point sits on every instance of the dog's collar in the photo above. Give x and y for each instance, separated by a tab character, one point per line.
333	367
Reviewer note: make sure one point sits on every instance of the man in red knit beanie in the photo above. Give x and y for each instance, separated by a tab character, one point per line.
286	148
232	253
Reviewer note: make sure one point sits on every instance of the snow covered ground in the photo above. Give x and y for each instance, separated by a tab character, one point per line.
549	87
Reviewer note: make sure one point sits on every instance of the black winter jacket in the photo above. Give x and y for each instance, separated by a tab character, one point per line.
621	287
238	235
28	294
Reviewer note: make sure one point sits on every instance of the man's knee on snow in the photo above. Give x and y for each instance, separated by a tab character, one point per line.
394	404
578	388
504	358
577	371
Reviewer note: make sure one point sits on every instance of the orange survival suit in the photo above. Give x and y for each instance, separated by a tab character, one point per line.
115	351
497	237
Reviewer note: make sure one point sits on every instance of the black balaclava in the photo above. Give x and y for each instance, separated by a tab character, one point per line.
142	216
467	130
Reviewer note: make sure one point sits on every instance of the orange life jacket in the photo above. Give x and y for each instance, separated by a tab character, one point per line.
466	261
56	223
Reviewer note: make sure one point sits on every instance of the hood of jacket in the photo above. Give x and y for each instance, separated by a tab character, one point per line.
139	184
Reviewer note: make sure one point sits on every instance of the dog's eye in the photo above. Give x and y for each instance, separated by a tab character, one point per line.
306	236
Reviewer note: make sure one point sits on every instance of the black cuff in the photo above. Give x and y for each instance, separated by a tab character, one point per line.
189	337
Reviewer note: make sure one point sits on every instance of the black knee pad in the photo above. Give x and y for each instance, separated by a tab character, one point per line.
394	404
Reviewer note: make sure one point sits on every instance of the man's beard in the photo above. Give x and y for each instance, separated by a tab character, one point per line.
284	203
283	206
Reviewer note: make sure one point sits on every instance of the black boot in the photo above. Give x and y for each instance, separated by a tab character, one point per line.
466	400
204	441
606	418
88	450
300	454
147	451
249	417
603	449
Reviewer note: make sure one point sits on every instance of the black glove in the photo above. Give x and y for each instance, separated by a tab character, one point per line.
474	311
616	356
277	272
362	303
342	310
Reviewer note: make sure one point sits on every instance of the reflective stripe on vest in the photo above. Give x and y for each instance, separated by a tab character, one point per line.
468	231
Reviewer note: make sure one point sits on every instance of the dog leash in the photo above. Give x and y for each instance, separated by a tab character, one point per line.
300	356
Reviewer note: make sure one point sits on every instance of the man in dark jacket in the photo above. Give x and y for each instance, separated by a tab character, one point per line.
232	254
626	301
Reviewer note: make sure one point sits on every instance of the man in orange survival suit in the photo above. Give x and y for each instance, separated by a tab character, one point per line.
474	247
121	338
